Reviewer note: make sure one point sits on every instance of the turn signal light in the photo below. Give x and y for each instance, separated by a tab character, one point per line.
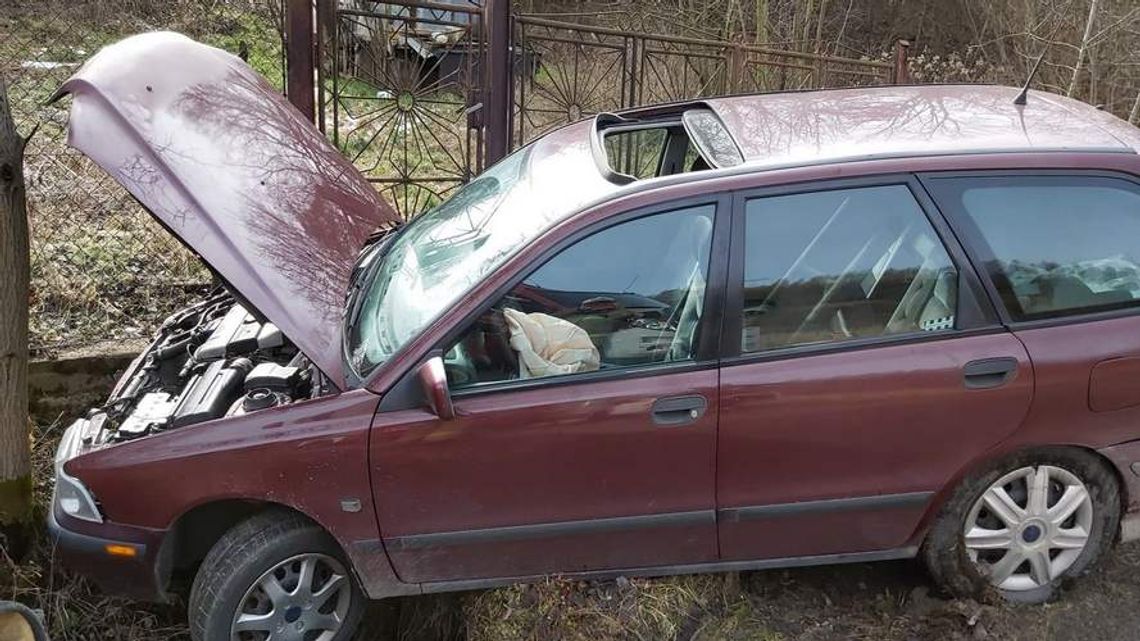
128	551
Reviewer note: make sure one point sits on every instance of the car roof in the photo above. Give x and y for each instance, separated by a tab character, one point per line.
833	125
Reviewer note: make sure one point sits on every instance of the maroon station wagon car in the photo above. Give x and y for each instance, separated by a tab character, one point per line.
728	334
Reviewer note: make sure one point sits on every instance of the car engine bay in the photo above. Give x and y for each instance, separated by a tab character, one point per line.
211	360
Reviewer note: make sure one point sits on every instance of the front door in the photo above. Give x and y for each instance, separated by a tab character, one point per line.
587	407
861	372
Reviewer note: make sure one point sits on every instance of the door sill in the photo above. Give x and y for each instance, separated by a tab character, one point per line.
673	570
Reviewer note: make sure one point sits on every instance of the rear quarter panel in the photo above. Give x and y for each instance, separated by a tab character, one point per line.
1088	390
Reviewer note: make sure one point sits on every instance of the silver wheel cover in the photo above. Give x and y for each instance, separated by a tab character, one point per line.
1029	527
303	598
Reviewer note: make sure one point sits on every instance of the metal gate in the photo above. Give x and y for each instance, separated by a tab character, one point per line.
582	70
400	89
421	94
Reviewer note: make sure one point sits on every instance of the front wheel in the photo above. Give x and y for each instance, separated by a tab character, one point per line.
275	576
1025	526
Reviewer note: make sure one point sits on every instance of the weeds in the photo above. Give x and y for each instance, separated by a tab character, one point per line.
73	609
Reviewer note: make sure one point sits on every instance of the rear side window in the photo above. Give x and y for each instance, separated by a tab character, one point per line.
844	264
1053	245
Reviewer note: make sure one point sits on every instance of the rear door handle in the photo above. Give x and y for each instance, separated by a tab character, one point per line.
986	373
674	411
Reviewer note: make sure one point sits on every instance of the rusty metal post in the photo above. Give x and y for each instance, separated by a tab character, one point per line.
901	72
497	107
300	59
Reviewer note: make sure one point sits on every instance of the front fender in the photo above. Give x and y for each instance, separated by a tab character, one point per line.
310	456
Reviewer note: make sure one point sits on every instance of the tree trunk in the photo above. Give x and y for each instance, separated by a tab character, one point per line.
1083	48
15	449
819	27
761	30
803	30
820	73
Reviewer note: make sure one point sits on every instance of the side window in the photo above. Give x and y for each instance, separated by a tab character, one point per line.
842	264
628	295
1054	246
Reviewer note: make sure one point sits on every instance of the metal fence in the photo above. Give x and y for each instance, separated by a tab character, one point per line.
101	268
573	70
405	86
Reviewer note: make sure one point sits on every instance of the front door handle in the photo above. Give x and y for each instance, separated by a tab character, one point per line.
986	373
674	411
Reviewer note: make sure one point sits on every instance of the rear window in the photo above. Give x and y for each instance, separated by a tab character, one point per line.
1054	245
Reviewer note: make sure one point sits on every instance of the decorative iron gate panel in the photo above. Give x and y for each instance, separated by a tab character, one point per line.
580	70
402	84
401	91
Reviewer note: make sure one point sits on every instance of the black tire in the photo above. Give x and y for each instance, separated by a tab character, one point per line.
243	555
944	551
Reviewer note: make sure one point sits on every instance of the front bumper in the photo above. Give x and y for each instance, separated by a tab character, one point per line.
143	576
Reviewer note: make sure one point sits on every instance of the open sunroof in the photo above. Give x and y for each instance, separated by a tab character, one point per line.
662	142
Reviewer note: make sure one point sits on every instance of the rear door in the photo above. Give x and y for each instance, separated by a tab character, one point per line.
863	368
1062	254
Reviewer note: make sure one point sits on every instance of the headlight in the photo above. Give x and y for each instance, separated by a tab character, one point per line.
70	495
74	499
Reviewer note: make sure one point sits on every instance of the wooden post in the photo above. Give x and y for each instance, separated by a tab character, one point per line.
737	58
902	65
15	446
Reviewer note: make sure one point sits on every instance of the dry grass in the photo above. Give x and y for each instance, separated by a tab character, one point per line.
694	608
73	609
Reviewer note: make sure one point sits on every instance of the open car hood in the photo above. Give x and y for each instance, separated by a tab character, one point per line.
235	172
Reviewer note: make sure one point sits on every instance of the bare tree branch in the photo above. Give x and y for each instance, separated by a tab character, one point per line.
1084	47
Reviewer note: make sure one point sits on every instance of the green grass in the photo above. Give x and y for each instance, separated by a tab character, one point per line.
258	34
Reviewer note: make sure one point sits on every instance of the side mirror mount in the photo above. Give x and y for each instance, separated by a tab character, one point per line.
433	380
18	623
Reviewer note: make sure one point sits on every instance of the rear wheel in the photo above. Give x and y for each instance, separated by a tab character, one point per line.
275	576
1025	526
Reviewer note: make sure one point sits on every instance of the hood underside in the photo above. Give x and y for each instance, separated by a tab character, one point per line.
232	169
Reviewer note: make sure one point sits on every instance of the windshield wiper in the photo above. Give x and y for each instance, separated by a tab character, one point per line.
373	254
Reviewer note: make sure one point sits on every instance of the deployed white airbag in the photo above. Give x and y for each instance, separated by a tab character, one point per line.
548	346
